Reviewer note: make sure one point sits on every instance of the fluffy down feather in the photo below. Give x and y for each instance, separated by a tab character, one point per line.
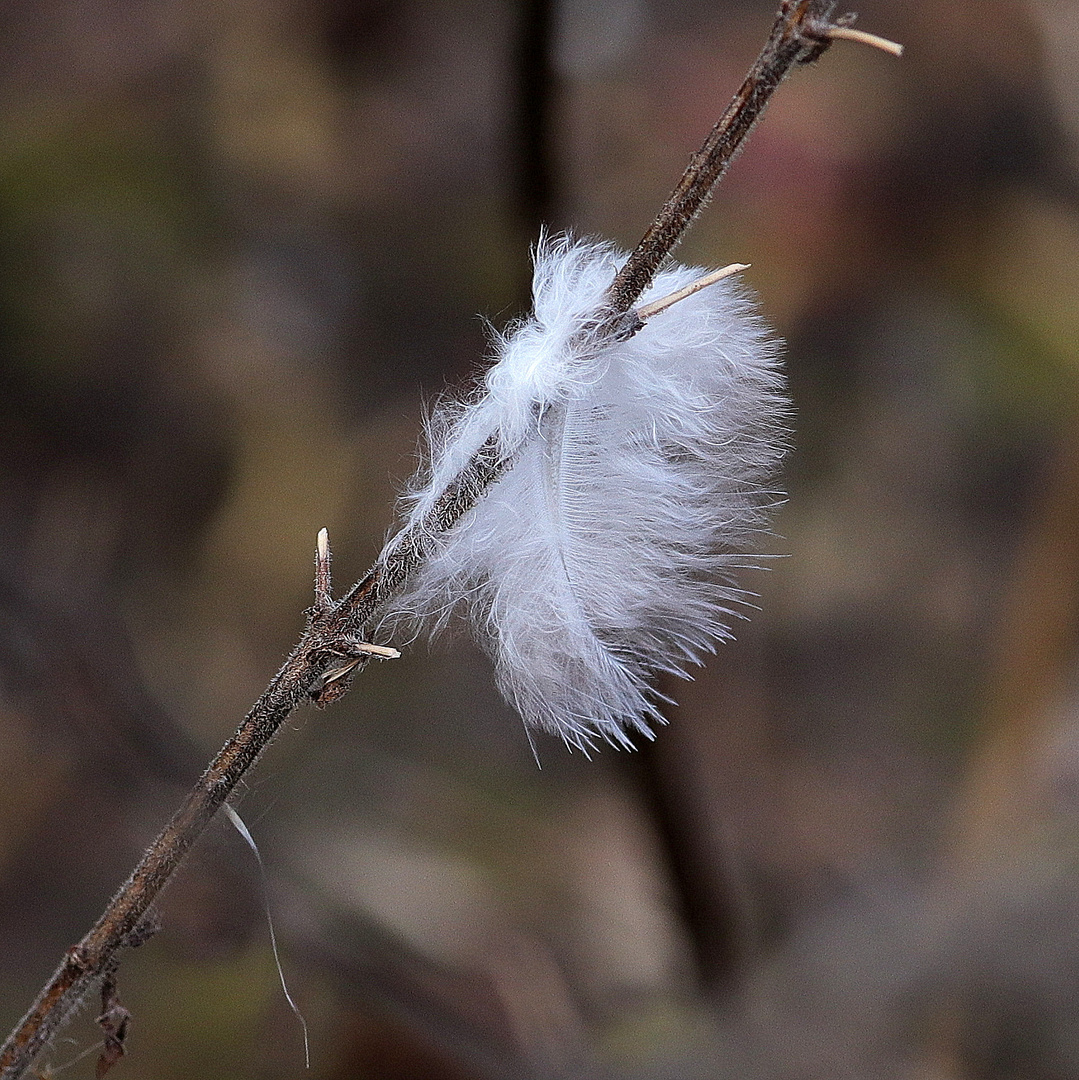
641	475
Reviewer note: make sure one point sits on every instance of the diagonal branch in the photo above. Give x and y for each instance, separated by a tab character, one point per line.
800	34
331	642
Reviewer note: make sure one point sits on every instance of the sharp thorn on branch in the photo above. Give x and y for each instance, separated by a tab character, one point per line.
323	581
648	311
848	33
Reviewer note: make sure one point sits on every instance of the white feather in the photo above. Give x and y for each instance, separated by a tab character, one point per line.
641	473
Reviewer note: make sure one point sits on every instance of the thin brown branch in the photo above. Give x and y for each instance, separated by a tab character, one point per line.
333	637
800	34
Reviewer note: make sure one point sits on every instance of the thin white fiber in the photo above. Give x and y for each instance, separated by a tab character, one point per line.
642	472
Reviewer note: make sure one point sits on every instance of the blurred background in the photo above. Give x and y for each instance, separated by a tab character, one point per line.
242	244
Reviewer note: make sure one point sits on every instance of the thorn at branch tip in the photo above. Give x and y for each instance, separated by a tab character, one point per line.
647	311
323	583
383	652
364	650
848	33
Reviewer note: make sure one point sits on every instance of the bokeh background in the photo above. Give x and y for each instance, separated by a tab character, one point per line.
242	244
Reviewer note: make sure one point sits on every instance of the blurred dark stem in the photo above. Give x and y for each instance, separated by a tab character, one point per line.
692	780
533	170
708	911
800	33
